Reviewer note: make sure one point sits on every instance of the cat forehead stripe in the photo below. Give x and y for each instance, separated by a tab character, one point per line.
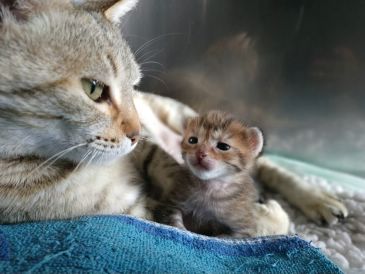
112	64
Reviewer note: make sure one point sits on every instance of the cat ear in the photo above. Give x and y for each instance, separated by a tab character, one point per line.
119	9
112	9
14	10
22	10
255	140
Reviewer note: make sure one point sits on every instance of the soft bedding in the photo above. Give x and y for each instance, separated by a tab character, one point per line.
127	245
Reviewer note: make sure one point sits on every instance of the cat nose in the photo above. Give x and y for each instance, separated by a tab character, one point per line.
131	129
133	136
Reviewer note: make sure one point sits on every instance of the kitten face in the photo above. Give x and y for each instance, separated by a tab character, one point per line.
66	80
216	145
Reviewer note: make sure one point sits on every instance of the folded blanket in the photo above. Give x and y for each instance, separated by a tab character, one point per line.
128	245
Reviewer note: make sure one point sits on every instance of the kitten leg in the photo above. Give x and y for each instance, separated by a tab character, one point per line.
177	219
271	219
141	210
316	204
239	234
165	214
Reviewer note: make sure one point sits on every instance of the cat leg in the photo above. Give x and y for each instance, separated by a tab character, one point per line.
271	219
316	204
171	112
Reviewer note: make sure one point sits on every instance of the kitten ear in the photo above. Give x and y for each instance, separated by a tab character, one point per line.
113	10
255	140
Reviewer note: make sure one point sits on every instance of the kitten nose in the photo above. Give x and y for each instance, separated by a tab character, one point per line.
201	154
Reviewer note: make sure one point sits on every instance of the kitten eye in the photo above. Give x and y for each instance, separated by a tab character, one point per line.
223	146
193	140
95	89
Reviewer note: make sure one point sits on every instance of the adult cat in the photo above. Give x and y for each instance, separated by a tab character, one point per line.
69	122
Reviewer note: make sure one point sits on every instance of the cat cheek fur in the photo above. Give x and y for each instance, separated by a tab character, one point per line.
58	115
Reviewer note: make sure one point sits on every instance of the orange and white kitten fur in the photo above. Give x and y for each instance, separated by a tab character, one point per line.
216	195
70	118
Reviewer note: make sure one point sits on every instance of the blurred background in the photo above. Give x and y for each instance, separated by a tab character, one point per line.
294	68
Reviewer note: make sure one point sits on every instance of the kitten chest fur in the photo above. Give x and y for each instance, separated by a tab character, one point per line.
215	200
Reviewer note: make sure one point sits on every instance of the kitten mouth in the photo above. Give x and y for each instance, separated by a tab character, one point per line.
202	165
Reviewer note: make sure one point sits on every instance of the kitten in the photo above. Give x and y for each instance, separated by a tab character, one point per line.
219	197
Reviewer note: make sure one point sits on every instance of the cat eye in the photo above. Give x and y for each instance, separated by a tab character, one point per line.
223	146
193	140
95	89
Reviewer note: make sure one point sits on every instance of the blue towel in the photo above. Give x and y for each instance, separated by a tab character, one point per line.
128	245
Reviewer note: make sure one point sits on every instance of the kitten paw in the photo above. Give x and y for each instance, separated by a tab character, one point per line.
271	219
323	208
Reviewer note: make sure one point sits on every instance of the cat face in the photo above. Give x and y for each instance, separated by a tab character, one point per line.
216	145
66	81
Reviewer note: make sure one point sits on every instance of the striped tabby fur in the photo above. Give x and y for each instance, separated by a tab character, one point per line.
65	155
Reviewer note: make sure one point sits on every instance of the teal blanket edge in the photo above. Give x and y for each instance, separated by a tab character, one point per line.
122	244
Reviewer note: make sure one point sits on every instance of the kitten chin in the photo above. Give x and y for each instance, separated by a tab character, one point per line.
210	171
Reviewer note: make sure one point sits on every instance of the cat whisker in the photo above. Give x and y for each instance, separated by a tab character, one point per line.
55	157
87	154
101	158
94	153
152	70
22	142
148	43
154	63
156	78
145	138
148	55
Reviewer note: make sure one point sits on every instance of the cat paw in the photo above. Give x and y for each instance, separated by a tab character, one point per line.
323	208
171	143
